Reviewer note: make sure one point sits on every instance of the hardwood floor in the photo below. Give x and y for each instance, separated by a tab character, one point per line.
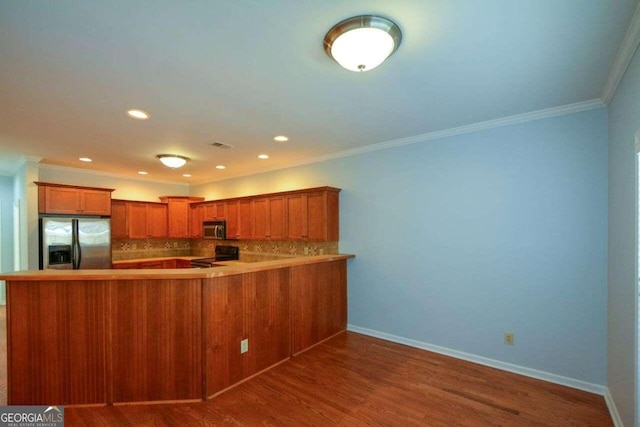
355	380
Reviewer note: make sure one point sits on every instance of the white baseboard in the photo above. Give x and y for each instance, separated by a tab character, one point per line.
613	409
509	367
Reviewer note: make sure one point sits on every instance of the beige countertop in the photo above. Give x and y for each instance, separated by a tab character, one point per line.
228	268
162	258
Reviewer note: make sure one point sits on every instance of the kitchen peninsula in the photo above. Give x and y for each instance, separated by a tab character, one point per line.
100	337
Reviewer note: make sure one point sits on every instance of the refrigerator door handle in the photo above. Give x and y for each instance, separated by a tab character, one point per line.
75	245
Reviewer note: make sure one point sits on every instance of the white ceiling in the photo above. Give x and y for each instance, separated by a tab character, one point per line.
243	71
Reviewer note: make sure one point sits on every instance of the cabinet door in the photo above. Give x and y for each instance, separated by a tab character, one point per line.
137	219
151	264
277	218
196	216
214	210
245	219
183	263
126	265
147	220
61	200
95	202
316	220
178	217
156	220
170	263
312	216
74	201
261	218
269	218
231	216
119	219
297	216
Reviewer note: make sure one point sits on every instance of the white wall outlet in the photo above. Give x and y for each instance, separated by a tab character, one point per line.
306	250
244	345
508	338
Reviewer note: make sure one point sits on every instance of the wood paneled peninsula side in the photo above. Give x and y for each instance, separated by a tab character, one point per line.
108	337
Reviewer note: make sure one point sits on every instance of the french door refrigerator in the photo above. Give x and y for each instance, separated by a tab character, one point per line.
68	243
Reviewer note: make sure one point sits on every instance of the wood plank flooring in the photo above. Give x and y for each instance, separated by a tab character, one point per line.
356	380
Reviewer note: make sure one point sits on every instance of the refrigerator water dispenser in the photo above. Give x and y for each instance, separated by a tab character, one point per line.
59	254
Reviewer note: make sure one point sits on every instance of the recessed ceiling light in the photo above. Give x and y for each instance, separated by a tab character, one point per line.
186	175
221	167
85	159
138	114
281	138
143	173
263	156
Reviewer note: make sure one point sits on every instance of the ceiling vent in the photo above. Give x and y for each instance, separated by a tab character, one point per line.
222	145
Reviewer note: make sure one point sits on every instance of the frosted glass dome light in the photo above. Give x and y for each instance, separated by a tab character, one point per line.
173	160
363	42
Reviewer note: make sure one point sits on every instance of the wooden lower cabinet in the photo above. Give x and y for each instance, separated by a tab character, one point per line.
79	342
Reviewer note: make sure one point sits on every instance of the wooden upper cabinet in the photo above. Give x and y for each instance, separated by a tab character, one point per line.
157	220
178	215
269	218
245	219
196	216
119	224
231	216
146	219
313	215
261	218
309	215
277	217
73	200
213	210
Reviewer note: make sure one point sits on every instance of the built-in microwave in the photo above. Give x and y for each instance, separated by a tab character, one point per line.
214	229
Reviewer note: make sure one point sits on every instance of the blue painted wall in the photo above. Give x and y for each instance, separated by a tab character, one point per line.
461	239
624	123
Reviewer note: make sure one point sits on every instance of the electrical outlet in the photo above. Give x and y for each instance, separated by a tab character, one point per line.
321	251
306	250
244	346
508	338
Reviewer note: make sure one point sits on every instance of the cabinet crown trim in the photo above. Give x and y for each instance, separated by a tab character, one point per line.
79	187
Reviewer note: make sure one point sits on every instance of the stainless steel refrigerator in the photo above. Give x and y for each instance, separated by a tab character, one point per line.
75	243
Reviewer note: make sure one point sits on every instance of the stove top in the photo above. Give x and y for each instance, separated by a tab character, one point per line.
222	253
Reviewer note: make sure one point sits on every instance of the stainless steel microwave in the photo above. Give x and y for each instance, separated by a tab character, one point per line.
214	229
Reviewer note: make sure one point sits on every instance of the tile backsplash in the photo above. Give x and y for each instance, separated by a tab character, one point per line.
250	250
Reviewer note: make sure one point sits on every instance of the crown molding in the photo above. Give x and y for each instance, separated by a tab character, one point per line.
623	58
23	160
475	127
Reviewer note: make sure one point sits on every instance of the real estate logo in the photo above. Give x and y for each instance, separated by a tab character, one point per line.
31	416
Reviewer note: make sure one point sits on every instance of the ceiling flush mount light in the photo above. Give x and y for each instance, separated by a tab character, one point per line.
85	159
138	114
363	42
263	156
173	160
221	167
281	138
